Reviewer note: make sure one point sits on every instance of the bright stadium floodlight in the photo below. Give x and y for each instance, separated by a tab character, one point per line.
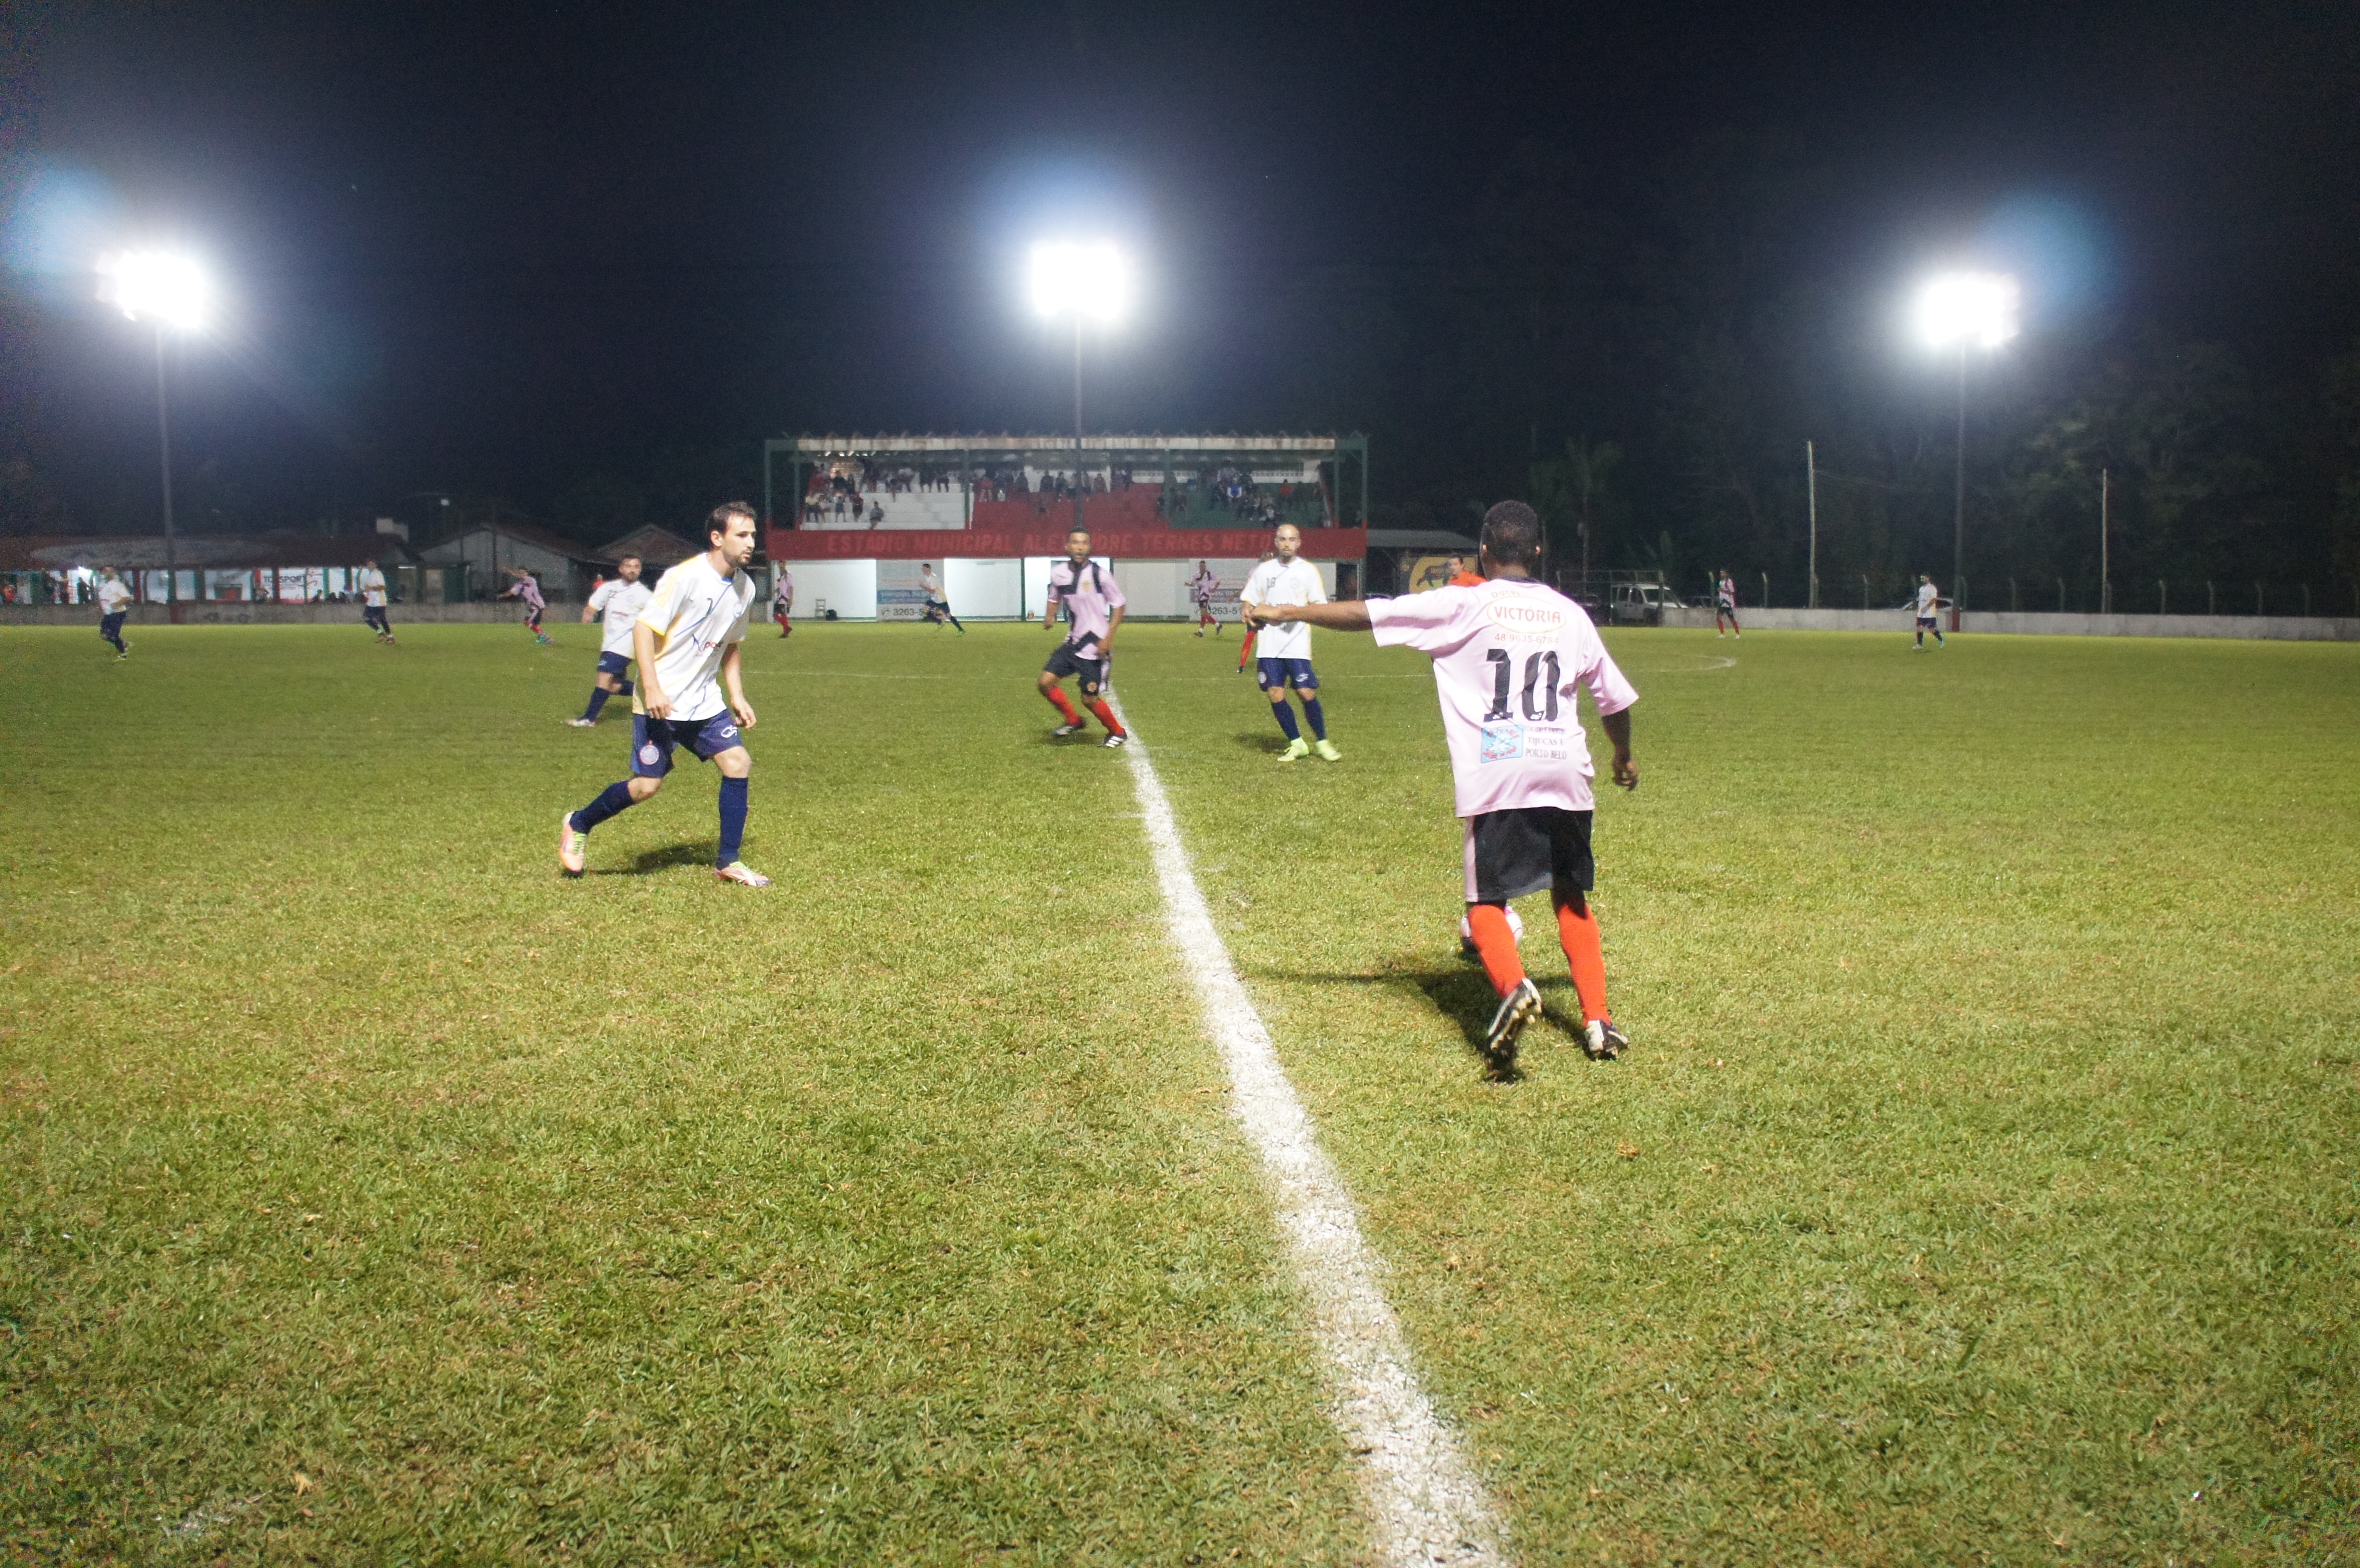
171	291
1968	309
1087	281
1963	308
158	285
1091	282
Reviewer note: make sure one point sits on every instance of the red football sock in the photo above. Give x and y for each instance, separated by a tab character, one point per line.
1105	711
1245	650
1576	928
1058	699
1488	923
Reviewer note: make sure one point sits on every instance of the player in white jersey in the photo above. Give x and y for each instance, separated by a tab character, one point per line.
1509	657
370	581
1930	614
1725	604
1200	590
619	600
687	642
114	603
1085	591
1283	653
939	604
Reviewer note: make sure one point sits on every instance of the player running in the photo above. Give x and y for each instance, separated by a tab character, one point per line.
1930	614
370	581
1724	604
689	633
114	599
1089	594
1509	657
1201	589
619	599
1287	582
526	590
939	604
782	600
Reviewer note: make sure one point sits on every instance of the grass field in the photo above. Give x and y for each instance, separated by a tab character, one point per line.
1981	1185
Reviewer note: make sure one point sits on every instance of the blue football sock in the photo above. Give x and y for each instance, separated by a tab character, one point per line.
1285	717
598	695
614	797
622	688
733	819
1316	717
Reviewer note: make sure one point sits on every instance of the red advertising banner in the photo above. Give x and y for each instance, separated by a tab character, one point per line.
1000	544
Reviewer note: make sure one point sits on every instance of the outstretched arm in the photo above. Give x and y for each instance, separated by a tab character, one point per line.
1351	616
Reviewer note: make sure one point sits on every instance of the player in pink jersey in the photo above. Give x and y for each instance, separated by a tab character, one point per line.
1088	595
1509	659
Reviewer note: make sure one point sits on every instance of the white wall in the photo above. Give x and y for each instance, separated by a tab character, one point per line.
1154	587
985	590
849	588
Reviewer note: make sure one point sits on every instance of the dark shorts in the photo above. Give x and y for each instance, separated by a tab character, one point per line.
1525	849
1068	660
652	740
373	615
108	626
1929	622
1275	673
615	664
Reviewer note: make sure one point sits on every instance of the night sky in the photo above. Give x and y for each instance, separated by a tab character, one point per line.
495	250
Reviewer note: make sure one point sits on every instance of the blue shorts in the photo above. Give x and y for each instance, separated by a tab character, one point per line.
615	664
1068	659
652	740
1276	673
110	625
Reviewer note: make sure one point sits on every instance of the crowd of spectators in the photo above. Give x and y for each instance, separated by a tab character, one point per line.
859	493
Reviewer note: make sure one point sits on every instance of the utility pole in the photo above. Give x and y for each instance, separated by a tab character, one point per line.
1811	475
2106	584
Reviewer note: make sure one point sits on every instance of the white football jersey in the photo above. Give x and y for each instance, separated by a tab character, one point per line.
619	603
696	614
1293	583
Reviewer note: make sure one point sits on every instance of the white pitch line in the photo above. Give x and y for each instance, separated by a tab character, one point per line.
1429	1504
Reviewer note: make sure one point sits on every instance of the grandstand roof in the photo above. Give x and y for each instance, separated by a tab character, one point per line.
945	446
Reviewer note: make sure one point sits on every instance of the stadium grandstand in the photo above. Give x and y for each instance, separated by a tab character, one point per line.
862	514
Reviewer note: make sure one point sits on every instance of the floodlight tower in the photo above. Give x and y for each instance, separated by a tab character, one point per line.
174	293
1088	282
1970	309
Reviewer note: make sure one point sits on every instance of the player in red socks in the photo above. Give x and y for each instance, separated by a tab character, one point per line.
1087	592
1509	657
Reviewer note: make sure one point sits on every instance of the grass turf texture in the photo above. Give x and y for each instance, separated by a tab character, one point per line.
1980	1187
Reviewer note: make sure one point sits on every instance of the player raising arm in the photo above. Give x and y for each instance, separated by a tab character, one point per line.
1509	657
689	632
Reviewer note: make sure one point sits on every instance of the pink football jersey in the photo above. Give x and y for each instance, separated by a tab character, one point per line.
1508	657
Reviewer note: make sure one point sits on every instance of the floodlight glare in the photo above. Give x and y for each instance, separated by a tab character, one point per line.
158	285
1088	281
1963	308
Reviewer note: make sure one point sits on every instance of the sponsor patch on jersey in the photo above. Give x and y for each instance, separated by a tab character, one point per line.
1520	613
1502	742
651	754
1545	743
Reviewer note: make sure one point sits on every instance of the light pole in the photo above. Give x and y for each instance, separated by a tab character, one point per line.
1968	309
173	292
1088	282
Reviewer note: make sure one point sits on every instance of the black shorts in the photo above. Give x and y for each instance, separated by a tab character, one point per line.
1524	849
1068	660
